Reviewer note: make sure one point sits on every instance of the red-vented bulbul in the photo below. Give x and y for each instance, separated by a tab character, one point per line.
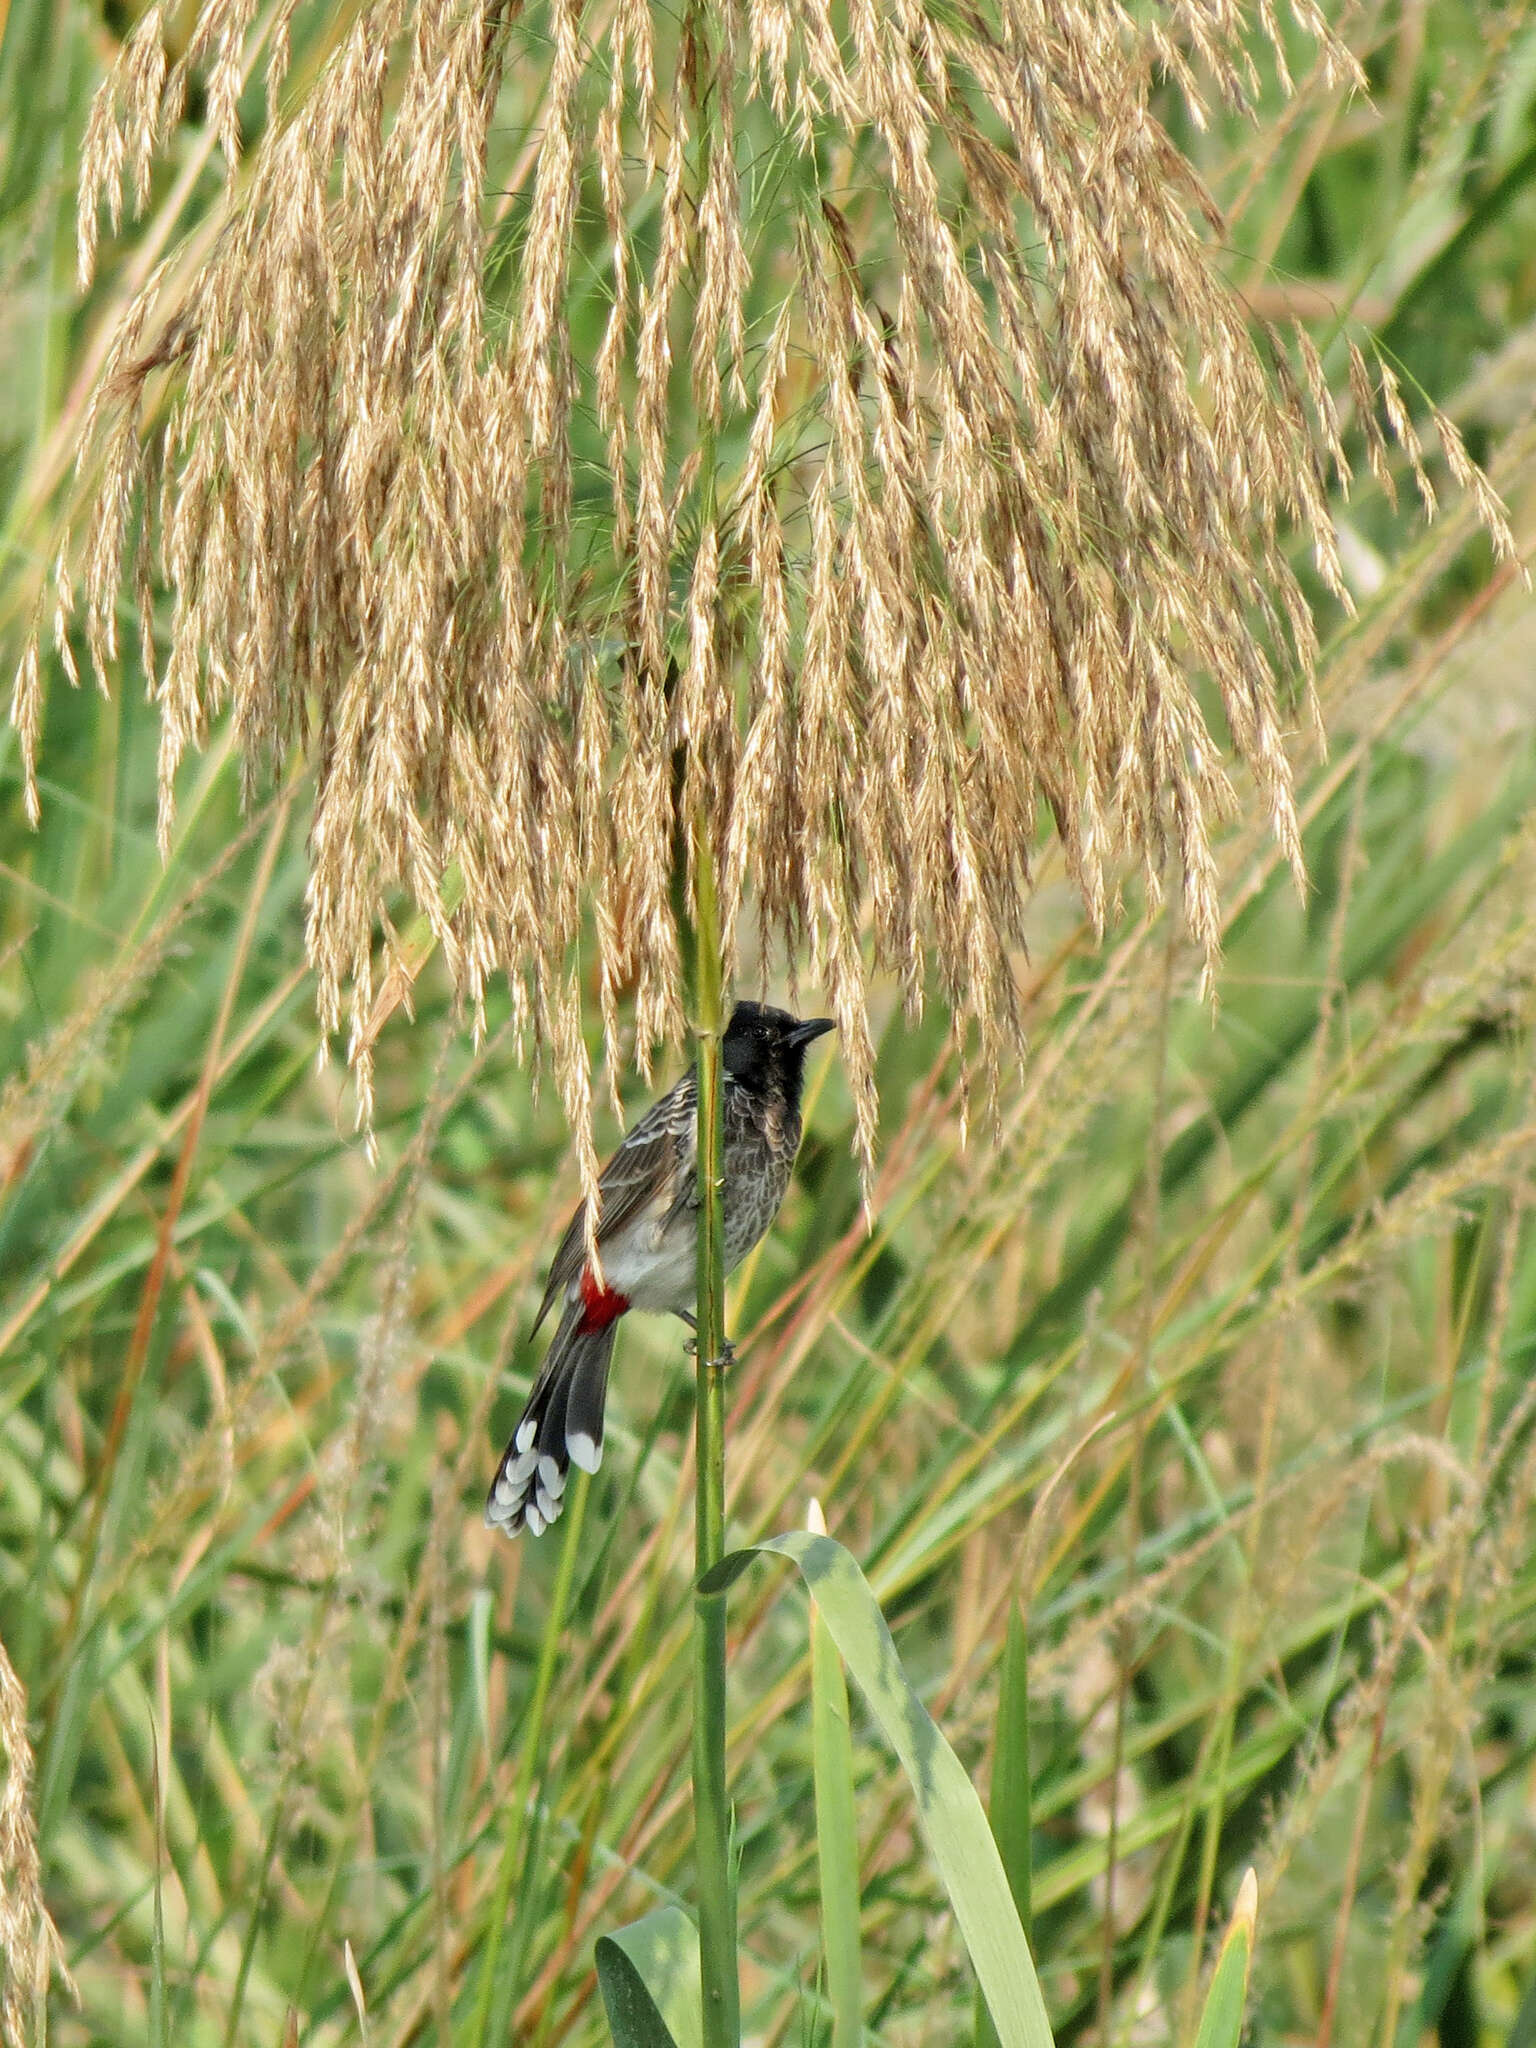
647	1239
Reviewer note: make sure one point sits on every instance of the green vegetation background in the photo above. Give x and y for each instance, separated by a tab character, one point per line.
1215	1359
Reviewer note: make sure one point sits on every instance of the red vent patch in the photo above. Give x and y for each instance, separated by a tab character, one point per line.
604	1305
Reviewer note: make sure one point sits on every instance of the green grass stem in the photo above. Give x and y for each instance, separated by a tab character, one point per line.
711	1811
497	1986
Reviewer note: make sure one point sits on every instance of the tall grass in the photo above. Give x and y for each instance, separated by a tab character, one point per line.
1215	1366
427	478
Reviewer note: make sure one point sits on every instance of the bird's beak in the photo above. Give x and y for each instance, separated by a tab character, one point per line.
813	1027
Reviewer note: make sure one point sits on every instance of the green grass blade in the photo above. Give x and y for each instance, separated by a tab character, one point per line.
721	1987
837	1843
648	1974
950	1812
1010	1811
1221	2023
1011	1806
157	2033
497	1986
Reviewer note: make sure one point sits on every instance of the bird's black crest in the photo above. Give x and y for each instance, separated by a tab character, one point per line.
763	1045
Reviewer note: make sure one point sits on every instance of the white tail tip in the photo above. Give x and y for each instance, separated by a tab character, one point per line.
582	1451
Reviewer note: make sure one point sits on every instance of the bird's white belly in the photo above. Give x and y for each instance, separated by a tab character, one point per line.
654	1272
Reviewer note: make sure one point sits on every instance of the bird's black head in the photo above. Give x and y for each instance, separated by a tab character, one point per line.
764	1048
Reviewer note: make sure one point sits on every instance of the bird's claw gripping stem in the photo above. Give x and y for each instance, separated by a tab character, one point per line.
724	1358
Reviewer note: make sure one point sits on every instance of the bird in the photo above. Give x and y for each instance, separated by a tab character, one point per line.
647	1242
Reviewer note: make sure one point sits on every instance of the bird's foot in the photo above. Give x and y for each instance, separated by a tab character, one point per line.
726	1356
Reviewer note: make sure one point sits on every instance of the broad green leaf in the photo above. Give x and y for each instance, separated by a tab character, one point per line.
649	1977
1221	2024
1009	1811
837	1843
948	1808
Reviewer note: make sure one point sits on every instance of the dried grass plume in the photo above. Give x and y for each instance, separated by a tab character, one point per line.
29	1943
831	421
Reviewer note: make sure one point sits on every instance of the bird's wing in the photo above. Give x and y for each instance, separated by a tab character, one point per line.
653	1167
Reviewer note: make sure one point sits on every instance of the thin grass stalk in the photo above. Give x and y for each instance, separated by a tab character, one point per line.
1009	1809
488	2003
711	1815
1349	1887
157	2033
278	1816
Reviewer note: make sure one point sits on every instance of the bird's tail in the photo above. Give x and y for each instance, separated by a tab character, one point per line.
561	1426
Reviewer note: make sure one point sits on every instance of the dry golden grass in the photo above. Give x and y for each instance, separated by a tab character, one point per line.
1006	470
29	1944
